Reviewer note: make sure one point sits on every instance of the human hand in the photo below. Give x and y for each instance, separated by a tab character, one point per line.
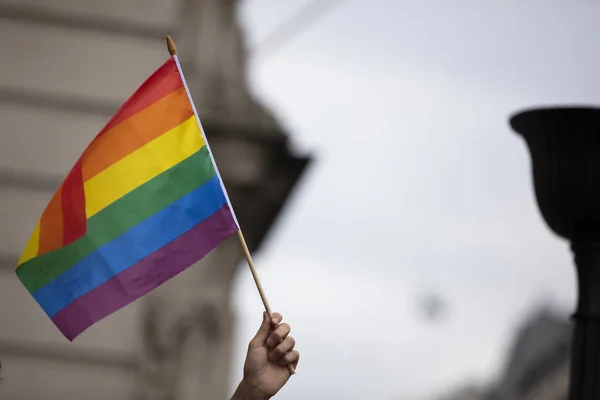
266	367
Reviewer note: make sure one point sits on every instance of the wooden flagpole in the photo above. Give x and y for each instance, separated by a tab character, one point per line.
173	52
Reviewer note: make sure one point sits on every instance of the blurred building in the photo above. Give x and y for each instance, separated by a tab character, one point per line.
537	366
66	67
466	393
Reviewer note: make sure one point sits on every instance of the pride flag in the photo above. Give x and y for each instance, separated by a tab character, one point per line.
144	202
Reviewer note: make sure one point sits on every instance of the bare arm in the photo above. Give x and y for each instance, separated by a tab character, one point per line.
266	367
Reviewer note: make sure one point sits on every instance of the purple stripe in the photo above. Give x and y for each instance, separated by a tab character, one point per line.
145	275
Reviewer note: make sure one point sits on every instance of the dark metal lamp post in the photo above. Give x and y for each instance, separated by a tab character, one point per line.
565	150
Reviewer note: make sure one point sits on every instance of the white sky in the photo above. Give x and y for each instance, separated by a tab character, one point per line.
418	185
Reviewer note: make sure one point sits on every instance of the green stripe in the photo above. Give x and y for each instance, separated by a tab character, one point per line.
119	217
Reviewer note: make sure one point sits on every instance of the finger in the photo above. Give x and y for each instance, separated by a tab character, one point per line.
276	319
291	357
282	348
263	332
278	334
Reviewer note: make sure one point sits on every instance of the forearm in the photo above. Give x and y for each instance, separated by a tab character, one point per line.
245	391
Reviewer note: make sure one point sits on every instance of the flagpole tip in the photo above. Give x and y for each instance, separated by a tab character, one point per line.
171	46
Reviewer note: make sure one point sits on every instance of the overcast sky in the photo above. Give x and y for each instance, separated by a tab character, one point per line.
418	186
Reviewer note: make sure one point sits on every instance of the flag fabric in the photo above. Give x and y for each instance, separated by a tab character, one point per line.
143	203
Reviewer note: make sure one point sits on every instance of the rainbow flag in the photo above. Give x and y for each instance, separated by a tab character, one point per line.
144	202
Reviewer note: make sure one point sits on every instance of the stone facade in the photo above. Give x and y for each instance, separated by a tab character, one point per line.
67	65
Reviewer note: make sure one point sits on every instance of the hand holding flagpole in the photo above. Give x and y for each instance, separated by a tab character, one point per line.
173	52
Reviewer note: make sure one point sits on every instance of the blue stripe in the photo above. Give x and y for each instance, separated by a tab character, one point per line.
131	247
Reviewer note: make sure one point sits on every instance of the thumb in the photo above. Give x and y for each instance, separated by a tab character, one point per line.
263	332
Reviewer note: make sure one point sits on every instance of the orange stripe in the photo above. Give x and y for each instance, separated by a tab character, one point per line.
135	132
51	225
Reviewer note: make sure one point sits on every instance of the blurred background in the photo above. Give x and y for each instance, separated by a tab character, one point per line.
366	148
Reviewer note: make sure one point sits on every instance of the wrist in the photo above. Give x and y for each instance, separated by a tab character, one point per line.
247	391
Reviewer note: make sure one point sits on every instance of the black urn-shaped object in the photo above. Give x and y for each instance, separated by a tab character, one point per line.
565	151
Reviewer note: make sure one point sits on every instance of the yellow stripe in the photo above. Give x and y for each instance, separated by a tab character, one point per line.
145	163
32	246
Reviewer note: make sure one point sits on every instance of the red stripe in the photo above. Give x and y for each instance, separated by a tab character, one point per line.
73	205
163	81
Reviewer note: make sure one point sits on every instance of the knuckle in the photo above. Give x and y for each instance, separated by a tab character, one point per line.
280	332
291	341
275	338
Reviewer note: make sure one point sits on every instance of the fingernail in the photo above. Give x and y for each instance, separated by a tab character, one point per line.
270	341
